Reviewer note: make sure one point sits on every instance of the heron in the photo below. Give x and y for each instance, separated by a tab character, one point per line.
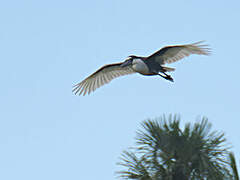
152	65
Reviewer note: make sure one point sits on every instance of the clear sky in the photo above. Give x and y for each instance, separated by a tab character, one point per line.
48	133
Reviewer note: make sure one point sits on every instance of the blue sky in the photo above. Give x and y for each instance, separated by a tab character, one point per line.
48	133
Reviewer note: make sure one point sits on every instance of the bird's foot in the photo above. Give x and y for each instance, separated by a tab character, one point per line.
168	77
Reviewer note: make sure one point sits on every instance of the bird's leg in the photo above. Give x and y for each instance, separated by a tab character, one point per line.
167	77
165	73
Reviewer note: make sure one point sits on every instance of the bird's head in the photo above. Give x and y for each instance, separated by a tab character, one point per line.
128	61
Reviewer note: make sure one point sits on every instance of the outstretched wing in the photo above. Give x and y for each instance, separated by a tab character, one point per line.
102	76
172	54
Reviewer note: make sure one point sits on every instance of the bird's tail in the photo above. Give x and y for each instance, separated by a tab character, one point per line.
168	69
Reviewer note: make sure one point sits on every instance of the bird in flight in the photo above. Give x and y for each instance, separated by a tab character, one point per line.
148	66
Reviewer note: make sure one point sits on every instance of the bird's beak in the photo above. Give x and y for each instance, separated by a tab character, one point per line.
125	63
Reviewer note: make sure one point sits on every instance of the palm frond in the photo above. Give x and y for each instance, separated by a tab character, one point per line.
164	151
233	165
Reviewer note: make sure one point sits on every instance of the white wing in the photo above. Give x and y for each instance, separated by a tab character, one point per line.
171	54
102	76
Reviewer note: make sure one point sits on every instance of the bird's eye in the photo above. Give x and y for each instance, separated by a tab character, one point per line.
128	58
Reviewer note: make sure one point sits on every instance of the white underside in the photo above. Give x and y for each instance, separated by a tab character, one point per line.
139	66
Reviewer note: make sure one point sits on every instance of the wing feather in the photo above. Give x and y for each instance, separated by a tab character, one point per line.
171	54
101	77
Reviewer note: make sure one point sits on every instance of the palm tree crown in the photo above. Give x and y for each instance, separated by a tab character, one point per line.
165	152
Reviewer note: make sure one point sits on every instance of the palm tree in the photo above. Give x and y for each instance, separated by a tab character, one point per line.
233	165
165	152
